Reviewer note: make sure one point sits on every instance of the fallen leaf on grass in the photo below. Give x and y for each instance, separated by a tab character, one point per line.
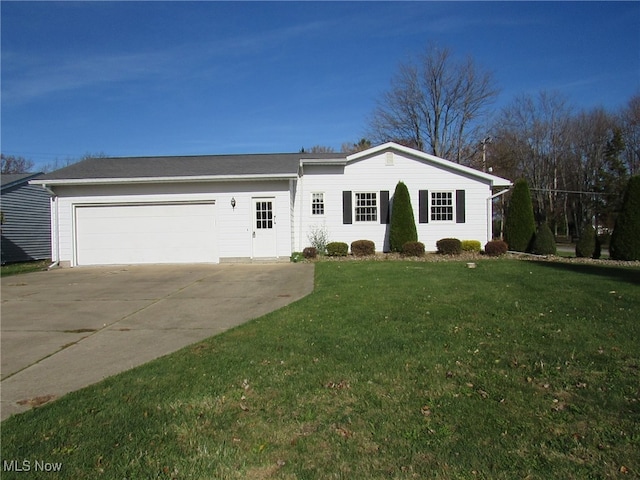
482	393
343	432
338	386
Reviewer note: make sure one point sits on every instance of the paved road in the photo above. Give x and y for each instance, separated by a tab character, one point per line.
68	328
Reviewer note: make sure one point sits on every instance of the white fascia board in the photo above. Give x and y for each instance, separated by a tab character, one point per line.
493	179
324	161
197	178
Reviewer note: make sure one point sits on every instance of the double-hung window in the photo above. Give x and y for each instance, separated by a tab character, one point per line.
317	203
441	206
366	208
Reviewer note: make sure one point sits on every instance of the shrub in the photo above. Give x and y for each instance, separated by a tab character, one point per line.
449	246
296	257
337	249
310	252
495	248
520	225
362	248
471	245
413	249
319	237
403	224
543	242
586	244
625	240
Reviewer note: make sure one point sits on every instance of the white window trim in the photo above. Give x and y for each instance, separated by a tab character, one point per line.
355	206
453	206
324	205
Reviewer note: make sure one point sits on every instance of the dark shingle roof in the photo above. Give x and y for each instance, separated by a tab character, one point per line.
186	166
11	179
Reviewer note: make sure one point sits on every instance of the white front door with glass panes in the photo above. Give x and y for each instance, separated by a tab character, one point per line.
264	228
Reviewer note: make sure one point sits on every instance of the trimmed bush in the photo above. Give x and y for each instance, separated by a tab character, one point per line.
403	223
363	248
625	240
296	257
471	245
544	243
310	252
413	249
449	246
495	248
586	244
337	249
520	225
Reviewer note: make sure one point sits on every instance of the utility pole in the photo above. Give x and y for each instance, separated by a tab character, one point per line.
484	152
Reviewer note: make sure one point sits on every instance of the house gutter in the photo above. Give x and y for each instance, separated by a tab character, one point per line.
490	211
176	179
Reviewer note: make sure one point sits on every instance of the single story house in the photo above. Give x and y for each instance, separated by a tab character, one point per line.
209	209
25	218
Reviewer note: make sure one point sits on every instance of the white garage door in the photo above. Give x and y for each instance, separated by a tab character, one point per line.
150	233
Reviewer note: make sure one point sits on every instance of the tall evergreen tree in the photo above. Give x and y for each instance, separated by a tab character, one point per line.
403	224
520	225
625	240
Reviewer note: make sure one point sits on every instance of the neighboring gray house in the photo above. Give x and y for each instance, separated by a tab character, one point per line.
26	219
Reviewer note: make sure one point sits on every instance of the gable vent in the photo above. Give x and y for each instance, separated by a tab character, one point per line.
389	158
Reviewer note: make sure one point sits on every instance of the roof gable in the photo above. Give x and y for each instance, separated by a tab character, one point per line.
493	180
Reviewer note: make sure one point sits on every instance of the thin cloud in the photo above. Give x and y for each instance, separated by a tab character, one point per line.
27	79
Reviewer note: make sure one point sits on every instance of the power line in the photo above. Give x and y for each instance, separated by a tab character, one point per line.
568	191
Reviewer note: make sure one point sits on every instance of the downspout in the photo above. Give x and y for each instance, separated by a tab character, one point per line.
300	206
55	218
490	212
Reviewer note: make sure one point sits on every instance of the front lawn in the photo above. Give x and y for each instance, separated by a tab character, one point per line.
514	369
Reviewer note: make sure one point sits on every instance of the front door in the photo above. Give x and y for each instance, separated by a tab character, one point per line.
264	228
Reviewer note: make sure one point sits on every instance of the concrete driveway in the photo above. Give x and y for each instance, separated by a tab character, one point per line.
68	328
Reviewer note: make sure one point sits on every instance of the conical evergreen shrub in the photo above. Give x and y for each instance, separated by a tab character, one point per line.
403	224
544	243
586	244
520	225
625	239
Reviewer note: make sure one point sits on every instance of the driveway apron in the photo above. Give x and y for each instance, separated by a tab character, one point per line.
68	328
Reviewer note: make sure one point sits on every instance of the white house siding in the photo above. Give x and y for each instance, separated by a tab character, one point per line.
233	225
376	174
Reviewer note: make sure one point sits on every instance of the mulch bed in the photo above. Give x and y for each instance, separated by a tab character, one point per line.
473	257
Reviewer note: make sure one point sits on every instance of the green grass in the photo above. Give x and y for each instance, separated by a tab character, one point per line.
400	370
24	267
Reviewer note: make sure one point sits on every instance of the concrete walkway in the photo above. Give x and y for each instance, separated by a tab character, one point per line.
68	328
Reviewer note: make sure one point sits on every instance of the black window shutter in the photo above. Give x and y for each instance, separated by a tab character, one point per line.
460	208
423	206
346	207
384	206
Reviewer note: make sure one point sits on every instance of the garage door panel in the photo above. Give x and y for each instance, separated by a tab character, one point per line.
126	234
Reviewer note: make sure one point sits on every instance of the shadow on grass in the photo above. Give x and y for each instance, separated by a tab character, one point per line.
625	274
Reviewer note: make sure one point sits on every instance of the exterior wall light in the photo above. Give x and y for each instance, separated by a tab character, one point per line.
233	203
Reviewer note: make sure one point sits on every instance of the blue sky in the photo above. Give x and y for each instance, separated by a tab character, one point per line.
169	78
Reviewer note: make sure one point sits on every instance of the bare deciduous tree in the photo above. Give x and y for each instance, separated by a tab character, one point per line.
435	105
631	134
13	164
362	144
532	138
